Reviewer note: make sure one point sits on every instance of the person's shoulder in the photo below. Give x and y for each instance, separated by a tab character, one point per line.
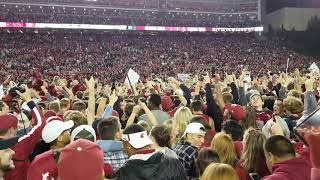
142	117
44	156
275	177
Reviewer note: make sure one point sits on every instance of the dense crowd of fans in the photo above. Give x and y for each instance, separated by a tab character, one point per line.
48	14
211	6
109	56
64	116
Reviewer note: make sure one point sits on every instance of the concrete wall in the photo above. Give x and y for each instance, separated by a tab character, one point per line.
290	18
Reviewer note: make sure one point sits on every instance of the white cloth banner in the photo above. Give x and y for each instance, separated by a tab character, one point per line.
133	77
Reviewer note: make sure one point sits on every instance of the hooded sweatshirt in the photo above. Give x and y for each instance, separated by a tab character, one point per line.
294	169
155	166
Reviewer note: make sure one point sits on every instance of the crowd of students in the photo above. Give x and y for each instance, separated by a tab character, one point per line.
108	56
206	128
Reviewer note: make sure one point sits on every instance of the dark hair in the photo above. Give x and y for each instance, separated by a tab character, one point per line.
79	106
133	128
279	146
78	118
205	157
201	120
84	134
107	128
128	109
196	106
232	127
161	134
3	131
79	94
155	99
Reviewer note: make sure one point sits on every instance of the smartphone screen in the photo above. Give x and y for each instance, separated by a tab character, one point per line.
308	125
254	176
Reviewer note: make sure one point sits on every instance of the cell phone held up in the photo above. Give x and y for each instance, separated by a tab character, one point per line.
254	176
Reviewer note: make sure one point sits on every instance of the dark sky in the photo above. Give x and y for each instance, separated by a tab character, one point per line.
273	5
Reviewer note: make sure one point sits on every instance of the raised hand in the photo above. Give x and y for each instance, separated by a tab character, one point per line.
27	95
90	83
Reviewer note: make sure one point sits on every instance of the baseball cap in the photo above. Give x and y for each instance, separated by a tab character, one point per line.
137	140
8	143
81	128
252	93
194	128
236	111
8	120
81	160
166	103
54	129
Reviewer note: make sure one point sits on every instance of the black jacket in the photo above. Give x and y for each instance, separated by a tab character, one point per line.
157	167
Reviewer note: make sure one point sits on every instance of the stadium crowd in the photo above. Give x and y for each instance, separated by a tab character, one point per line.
48	14
203	6
66	113
108	56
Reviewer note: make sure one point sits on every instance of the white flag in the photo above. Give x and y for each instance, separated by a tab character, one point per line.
133	77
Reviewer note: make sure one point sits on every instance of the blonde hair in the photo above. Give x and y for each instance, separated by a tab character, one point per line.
219	171
181	119
168	123
224	146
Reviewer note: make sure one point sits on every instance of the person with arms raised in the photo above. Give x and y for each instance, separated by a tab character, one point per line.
26	143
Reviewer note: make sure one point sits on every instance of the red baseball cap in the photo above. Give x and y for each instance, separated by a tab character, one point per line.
166	103
8	120
81	160
236	111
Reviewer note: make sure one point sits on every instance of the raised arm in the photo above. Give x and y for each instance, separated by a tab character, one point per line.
150	116
310	101
213	109
133	115
91	103
28	141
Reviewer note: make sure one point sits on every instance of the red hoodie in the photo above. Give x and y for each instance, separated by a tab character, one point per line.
295	169
25	146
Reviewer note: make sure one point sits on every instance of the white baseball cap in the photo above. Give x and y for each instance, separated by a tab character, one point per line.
54	129
80	128
194	128
137	140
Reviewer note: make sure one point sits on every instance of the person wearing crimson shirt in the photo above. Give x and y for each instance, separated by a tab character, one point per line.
26	143
196	109
57	133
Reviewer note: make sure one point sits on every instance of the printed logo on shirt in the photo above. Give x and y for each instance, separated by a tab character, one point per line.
45	176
